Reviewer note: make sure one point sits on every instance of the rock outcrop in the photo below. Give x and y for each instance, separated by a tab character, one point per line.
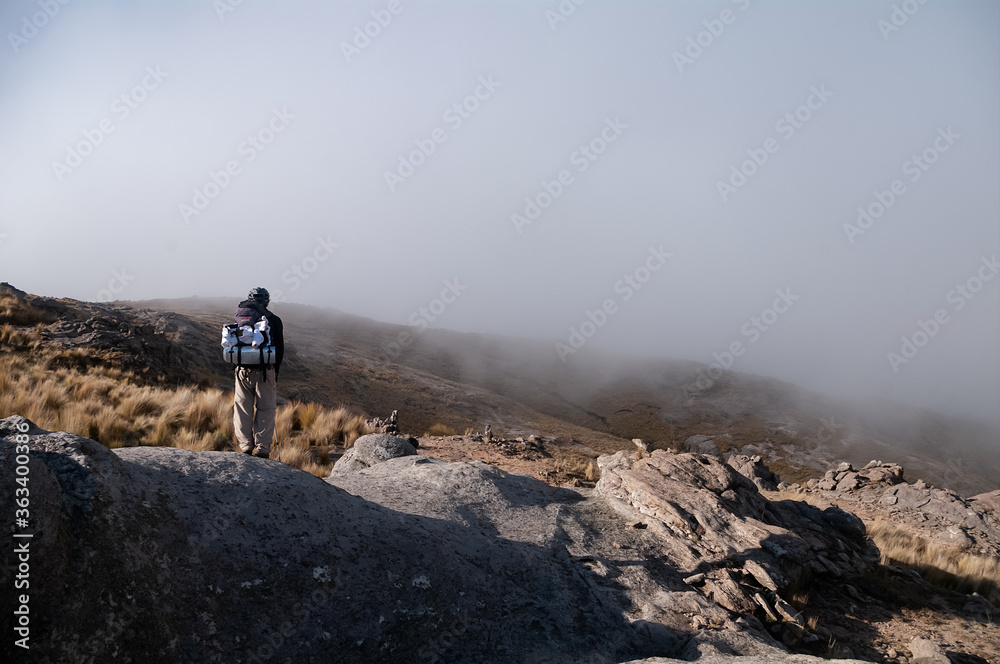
739	550
939	514
371	449
753	468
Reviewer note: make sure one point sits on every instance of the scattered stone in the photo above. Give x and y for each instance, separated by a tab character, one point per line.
792	635
695	579
978	608
957	537
848	482
753	468
787	611
925	651
390	425
987	502
767	607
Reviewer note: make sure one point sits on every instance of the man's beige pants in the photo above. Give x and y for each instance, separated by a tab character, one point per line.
253	417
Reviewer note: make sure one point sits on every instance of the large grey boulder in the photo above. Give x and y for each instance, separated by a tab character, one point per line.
169	555
925	651
371	449
473	494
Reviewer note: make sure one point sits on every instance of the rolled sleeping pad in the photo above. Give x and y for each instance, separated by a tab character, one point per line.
248	356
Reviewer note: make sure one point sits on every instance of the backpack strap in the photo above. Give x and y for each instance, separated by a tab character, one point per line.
263	365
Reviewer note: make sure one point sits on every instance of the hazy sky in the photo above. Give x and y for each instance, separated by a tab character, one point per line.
372	156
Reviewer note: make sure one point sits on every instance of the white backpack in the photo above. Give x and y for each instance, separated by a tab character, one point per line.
247	342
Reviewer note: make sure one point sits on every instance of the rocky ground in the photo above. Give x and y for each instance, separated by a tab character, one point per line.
899	606
166	555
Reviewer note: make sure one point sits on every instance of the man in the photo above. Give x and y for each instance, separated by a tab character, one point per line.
256	386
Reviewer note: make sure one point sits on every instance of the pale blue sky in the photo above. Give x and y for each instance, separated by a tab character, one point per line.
344	124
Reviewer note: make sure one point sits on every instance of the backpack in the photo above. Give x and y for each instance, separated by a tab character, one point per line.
247	342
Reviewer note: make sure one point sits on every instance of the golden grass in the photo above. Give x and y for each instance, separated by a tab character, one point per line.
15	312
942	565
577	467
439	430
59	391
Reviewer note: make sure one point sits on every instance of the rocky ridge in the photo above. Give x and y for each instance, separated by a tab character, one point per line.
878	490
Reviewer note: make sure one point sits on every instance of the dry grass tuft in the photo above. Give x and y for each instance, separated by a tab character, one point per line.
944	566
439	430
16	312
576	467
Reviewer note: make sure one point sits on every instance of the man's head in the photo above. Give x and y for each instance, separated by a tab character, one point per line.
260	296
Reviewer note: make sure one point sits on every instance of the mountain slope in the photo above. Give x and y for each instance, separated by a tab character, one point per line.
596	402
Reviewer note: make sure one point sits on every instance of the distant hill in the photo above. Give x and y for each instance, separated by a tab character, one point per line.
596	402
